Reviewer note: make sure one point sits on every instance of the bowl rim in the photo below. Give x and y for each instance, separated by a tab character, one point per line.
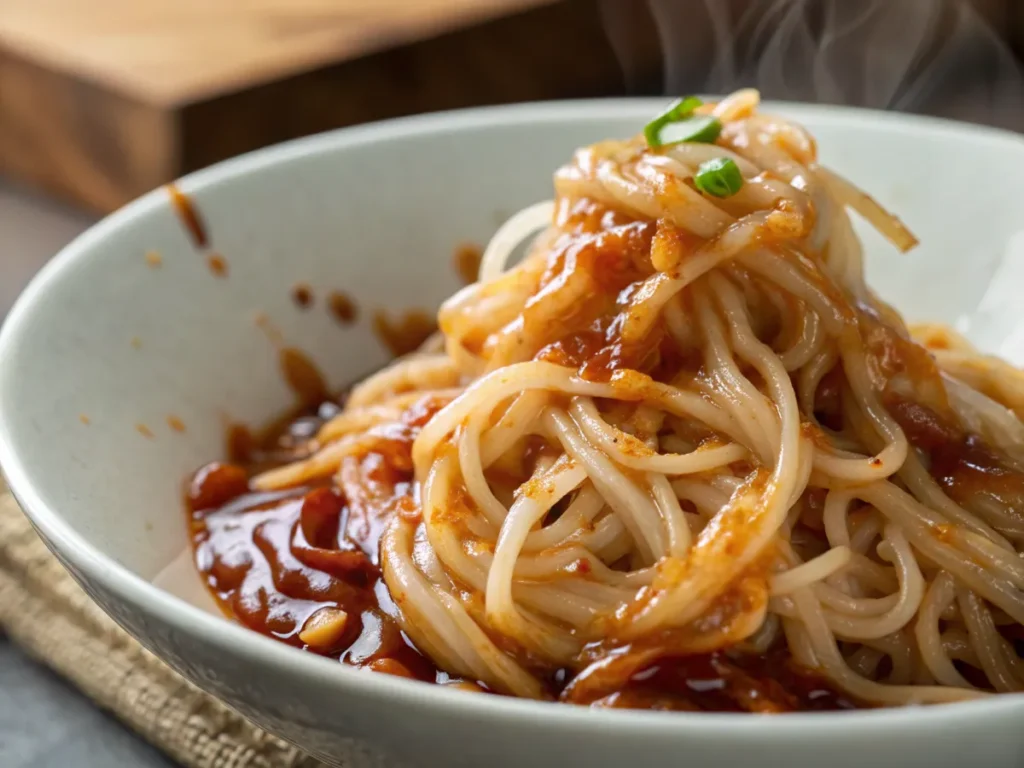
232	638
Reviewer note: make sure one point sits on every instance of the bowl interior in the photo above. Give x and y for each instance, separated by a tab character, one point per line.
376	212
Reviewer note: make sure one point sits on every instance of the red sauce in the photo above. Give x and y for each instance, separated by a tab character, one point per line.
404	334
585	215
607	266
828	404
240	443
727	682
970	471
598	353
218	265
271	331
302	295
215	485
343	309
302	376
923	426
304	561
466	260
273	561
188	215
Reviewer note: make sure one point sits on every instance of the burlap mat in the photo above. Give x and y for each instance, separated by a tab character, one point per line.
44	611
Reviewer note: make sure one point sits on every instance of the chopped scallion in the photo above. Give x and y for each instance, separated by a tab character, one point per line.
719	177
698	129
677	110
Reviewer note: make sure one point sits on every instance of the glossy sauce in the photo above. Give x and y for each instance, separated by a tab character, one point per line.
970	472
963	464
274	561
724	682
612	261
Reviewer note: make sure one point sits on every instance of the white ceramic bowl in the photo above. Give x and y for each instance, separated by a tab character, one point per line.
376	211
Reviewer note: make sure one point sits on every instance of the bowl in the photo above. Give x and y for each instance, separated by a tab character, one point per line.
138	330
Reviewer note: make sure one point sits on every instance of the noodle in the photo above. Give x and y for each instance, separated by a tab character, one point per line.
683	425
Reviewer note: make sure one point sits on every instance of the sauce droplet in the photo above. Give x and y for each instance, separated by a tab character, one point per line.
154	259
218	264
302	295
175	423
84	419
143	430
466	261
188	215
240	443
300	373
272	332
303	377
405	334
342	307
136	342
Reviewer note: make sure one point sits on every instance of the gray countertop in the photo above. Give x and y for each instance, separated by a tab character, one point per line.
43	720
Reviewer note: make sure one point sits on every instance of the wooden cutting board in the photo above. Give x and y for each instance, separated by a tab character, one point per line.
102	100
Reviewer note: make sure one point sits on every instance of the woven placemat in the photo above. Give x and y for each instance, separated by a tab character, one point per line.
47	613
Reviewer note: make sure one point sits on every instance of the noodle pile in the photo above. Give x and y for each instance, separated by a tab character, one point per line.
684	423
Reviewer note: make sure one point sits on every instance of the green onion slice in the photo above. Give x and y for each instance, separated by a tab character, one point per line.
699	129
678	110
678	123
719	177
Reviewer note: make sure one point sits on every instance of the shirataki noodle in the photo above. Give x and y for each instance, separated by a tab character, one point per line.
683	426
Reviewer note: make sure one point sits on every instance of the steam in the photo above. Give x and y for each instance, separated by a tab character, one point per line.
932	56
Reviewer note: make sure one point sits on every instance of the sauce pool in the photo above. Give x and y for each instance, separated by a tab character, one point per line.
297	564
301	565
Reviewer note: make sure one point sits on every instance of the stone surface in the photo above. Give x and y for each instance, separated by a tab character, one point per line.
43	720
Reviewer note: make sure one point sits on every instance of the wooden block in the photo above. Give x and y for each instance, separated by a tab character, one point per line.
104	100
86	143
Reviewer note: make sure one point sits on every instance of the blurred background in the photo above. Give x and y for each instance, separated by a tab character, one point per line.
101	101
